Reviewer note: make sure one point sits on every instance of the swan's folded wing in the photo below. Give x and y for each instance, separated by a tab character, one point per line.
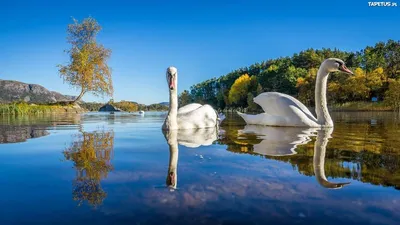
188	108
278	104
204	116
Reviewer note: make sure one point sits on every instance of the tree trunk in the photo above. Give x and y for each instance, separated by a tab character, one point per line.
79	97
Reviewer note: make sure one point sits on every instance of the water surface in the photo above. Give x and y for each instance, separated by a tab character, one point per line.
122	169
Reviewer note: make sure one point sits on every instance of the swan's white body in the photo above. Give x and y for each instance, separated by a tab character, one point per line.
191	116
284	110
283	141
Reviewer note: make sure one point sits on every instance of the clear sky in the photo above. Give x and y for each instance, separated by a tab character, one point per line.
203	39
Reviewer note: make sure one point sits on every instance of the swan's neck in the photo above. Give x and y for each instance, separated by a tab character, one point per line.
321	106
171	122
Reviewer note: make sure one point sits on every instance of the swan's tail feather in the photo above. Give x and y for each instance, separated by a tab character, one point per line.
245	117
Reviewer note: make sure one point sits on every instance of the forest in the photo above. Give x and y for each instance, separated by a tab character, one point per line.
127	106
376	78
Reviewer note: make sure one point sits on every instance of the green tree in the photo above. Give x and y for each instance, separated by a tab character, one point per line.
184	98
306	87
87	69
250	102
392	95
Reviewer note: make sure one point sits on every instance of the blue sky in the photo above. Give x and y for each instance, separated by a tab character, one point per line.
203	39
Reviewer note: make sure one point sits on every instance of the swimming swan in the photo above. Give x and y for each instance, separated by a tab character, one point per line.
284	110
191	116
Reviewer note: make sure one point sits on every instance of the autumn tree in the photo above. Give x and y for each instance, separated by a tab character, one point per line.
355	86
127	106
239	90
392	95
306	87
87	69
376	81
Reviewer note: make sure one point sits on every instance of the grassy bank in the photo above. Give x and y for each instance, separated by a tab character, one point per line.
361	106
34	109
344	107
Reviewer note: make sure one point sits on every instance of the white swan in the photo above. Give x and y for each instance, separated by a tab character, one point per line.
284	110
191	116
191	138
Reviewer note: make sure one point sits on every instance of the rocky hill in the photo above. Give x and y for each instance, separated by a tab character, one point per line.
14	91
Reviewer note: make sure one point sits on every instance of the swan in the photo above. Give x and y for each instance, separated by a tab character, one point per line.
283	141
191	116
284	110
191	138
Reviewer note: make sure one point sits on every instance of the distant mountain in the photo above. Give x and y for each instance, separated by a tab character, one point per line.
164	103
13	91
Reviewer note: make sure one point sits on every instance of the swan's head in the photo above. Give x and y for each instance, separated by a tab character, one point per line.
335	64
172	75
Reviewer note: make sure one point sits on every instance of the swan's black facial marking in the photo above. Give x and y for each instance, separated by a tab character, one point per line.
343	68
340	63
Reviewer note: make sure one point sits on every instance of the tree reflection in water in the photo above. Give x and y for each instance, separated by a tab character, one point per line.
91	153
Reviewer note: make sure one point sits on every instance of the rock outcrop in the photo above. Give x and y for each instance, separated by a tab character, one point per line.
14	91
109	108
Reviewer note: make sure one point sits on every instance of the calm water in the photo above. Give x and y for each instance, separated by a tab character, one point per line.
122	169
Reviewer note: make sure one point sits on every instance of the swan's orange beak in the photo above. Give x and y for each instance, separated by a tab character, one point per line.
344	69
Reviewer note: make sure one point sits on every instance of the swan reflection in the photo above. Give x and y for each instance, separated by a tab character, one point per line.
192	138
283	141
320	144
278	141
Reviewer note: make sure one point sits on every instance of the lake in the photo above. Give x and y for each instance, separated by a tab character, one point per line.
99	168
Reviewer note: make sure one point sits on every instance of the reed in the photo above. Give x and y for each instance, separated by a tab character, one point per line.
22	108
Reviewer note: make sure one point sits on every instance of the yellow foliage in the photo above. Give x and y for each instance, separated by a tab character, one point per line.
392	95
306	87
127	106
376	78
88	69
272	68
356	85
239	89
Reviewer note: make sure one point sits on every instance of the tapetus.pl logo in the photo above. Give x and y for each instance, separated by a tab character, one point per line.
382	4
